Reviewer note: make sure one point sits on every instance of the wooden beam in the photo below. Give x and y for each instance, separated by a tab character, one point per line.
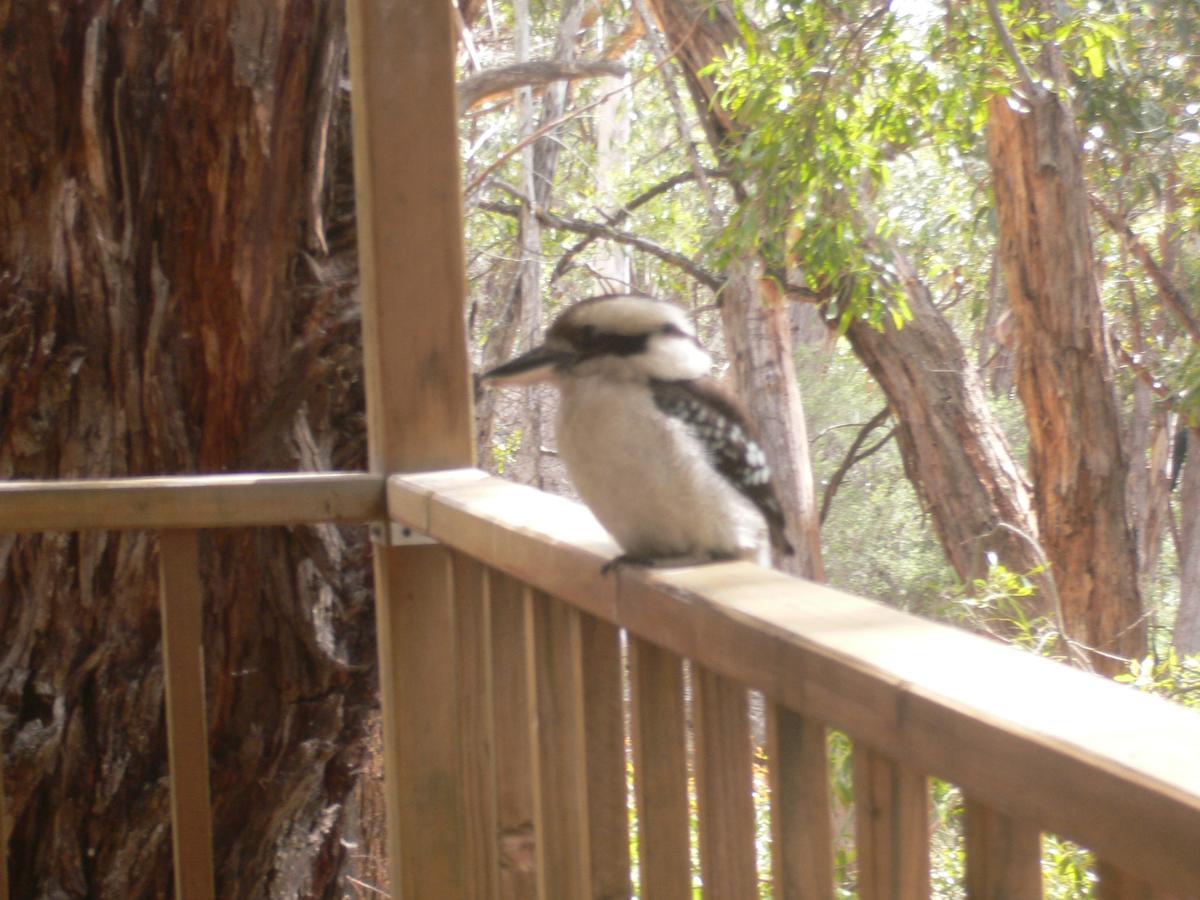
199	501
891	826
802	842
724	786
182	605
660	772
1065	751
1004	856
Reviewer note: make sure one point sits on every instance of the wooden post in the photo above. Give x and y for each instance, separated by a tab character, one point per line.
182	605
417	381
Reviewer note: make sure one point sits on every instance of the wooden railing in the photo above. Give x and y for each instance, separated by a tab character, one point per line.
176	508
522	759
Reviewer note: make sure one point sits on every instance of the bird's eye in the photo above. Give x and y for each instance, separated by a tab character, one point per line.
672	329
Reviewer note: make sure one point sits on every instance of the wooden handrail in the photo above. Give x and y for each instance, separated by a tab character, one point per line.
196	501
1058	749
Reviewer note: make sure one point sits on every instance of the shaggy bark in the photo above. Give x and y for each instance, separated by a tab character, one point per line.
954	453
953	450
158	315
1063	374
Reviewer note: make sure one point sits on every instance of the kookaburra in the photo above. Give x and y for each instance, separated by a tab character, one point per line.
661	454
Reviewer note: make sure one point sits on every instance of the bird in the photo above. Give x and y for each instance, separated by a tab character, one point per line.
660	452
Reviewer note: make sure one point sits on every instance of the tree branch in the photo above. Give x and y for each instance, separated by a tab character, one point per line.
1027	79
607	232
1171	295
624	212
491	82
853	456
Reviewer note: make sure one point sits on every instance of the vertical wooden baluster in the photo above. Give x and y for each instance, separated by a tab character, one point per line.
418	675
1003	855
802	844
1117	884
560	756
473	618
660	772
891	808
604	732
514	741
182	604
724	787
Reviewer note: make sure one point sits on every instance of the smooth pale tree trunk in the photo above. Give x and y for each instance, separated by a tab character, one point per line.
164	166
1064	377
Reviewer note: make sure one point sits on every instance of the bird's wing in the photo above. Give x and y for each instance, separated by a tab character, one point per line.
718	421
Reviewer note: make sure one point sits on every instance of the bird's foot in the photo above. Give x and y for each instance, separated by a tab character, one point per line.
625	560
664	562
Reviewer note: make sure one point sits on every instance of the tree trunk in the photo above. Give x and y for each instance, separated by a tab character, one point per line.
164	164
953	450
1063	374
758	333
1187	624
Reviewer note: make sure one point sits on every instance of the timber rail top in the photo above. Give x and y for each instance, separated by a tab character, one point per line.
1068	752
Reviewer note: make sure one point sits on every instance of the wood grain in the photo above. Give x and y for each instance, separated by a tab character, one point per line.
724	786
891	823
560	757
182	604
1003	855
418	680
472	612
198	501
513	737
408	200
660	772
802	844
604	736
1065	751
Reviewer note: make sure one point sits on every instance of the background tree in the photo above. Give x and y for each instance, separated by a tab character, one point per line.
176	272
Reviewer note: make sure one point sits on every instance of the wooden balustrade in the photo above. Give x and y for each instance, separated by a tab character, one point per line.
548	670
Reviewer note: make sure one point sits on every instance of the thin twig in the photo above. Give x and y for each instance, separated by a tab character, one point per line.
1031	85
607	232
853	456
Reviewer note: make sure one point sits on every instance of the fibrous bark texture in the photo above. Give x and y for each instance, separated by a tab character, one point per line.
1063	373
954	452
165	166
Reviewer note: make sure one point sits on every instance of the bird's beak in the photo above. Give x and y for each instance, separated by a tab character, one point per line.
538	364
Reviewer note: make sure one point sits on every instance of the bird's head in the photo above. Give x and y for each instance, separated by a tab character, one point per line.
621	336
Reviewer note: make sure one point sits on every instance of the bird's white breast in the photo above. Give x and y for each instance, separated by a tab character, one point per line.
645	477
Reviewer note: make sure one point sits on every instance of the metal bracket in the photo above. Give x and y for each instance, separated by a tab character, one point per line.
393	534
